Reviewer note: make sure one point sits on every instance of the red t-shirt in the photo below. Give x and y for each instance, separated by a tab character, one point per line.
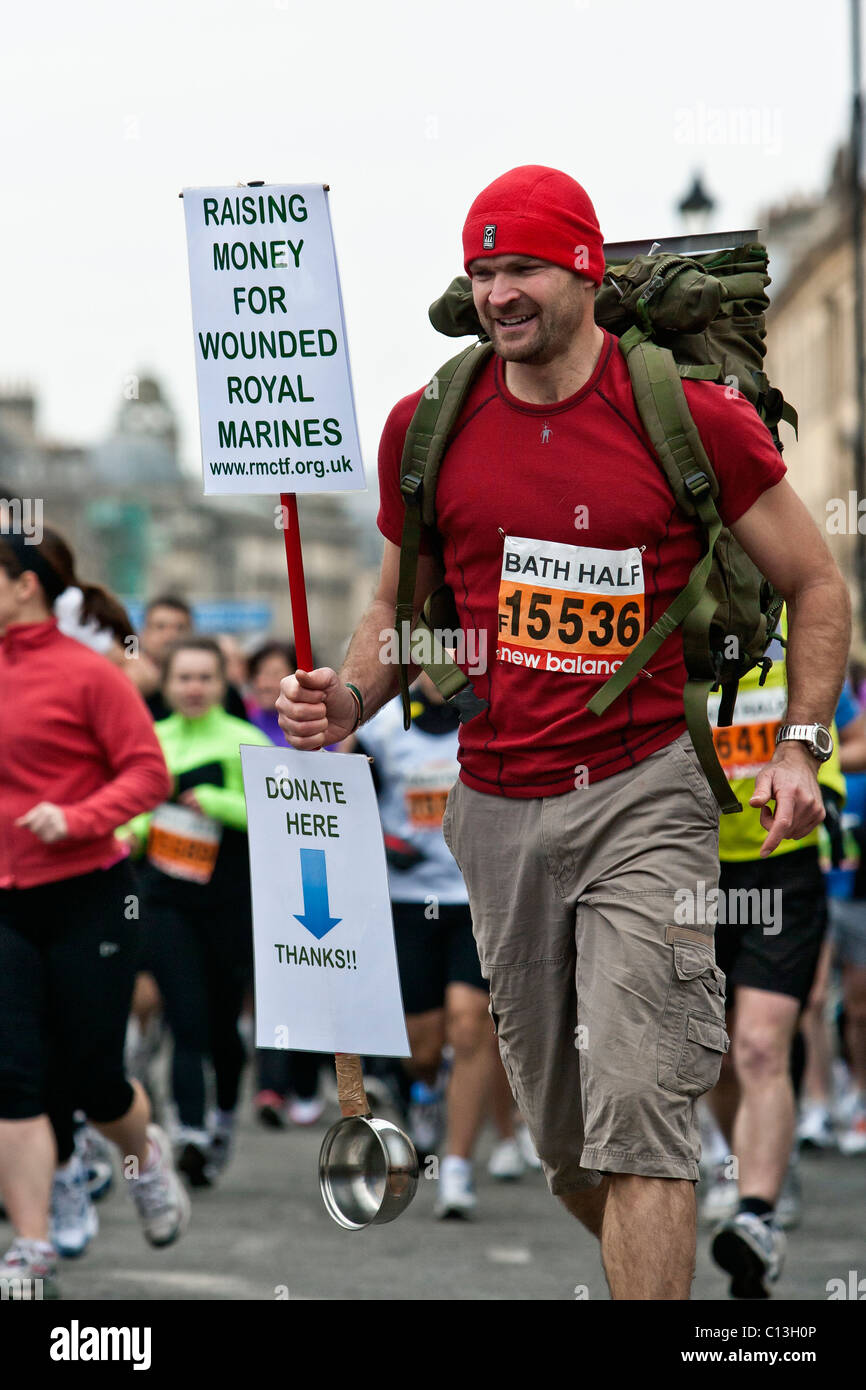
559	618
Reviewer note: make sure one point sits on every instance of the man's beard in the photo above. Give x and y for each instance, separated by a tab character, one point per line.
552	334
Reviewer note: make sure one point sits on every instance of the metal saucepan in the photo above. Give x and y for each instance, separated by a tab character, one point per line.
368	1168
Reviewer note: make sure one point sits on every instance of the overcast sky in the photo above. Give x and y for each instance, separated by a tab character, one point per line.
407	110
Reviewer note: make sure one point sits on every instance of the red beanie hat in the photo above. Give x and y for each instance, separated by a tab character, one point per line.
536	211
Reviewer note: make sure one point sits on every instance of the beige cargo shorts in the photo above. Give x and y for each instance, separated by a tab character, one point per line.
604	991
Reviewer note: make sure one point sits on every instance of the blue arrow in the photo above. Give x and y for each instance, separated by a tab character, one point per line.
314	876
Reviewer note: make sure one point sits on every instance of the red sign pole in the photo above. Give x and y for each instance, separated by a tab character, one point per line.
297	588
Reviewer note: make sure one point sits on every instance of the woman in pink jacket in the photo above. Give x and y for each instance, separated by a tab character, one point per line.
79	759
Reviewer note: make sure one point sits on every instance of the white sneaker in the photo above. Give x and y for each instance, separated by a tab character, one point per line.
142	1048
221	1145
815	1127
426	1117
305	1112
95	1153
752	1251
720	1195
28	1271
74	1218
507	1162
852	1139
159	1195
456	1197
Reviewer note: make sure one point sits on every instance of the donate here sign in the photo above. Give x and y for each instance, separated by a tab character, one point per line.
276	407
325	961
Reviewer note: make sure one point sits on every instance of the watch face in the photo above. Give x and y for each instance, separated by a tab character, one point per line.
823	741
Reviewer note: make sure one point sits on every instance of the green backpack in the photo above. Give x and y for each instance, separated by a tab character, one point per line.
702	317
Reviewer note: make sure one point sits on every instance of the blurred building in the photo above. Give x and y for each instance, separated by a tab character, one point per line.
142	526
811	354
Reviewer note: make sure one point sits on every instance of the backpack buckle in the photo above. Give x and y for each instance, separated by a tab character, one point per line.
766	665
410	483
467	703
697	485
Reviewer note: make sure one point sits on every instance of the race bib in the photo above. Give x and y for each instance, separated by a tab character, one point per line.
182	843
427	791
750	742
569	608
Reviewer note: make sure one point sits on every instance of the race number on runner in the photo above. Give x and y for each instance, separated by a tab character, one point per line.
569	608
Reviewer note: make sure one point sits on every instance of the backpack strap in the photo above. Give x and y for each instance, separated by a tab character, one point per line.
423	450
666	417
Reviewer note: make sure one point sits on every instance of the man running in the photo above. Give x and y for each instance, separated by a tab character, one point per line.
771	919
574	833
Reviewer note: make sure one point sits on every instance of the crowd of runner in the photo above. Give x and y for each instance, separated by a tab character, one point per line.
125	922
126	934
125	926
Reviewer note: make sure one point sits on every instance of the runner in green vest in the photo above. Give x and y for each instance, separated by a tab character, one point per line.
770	922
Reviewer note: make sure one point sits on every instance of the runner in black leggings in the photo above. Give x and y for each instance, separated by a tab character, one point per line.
79	757
196	898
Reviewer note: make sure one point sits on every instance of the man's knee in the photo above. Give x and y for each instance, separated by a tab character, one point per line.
468	1030
761	1053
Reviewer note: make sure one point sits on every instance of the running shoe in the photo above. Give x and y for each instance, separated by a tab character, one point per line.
456	1196
94	1150
426	1106
789	1207
852	1139
28	1271
221	1146
159	1195
74	1219
720	1195
752	1251
269	1107
193	1162
142	1048
815	1127
506	1162
305	1112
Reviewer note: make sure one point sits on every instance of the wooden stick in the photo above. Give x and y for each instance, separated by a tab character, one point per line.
350	1078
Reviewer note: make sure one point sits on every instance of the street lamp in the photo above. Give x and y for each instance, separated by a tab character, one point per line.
695	208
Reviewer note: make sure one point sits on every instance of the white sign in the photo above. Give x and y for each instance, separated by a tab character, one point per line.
274	387
326	965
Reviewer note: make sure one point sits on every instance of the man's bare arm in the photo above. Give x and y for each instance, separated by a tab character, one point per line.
317	708
364	667
780	536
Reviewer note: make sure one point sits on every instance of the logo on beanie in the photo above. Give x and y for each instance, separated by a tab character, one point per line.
489	236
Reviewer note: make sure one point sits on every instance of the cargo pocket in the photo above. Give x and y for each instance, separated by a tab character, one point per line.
692	1040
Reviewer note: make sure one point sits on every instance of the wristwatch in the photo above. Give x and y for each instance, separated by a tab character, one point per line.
817	738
